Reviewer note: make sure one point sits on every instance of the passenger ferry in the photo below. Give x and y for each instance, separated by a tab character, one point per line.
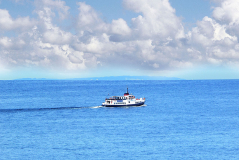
126	100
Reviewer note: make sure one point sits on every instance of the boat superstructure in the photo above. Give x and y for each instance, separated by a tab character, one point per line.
126	100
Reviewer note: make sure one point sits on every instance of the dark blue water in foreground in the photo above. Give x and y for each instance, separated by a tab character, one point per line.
61	120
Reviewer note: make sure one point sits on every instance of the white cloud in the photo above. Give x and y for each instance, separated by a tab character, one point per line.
57	36
158	19
6	42
8	23
44	44
58	5
227	12
120	27
206	27
89	20
155	40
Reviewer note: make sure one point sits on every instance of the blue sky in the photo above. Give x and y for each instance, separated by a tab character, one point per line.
72	39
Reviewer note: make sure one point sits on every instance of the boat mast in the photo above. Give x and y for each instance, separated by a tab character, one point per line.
127	93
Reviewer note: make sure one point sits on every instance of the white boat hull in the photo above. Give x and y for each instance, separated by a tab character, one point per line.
139	104
122	103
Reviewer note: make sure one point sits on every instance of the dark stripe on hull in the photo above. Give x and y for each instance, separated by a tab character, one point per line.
138	104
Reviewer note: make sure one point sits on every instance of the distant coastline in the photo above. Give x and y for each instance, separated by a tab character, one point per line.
112	78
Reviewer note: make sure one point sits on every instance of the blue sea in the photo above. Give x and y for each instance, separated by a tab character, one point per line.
182	120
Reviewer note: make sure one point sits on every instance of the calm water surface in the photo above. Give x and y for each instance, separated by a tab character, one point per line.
63	120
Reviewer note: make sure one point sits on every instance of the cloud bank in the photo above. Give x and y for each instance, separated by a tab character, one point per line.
154	41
